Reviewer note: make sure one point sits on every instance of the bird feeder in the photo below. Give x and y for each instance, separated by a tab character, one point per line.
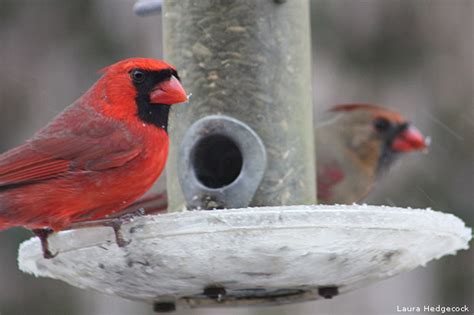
243	147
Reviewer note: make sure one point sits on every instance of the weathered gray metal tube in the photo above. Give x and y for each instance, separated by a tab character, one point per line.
248	60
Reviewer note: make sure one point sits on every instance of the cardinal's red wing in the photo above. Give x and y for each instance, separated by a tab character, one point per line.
89	142
329	175
24	164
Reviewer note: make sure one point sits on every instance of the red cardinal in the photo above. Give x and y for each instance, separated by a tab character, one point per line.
355	143
96	157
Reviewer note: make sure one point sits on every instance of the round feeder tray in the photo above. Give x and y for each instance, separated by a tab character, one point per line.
268	255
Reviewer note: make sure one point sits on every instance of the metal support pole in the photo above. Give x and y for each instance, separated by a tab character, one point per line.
250	61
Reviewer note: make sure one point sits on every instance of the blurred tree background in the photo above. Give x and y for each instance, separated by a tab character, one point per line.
414	56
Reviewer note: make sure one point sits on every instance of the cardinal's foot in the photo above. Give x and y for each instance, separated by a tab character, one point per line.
43	235
116	224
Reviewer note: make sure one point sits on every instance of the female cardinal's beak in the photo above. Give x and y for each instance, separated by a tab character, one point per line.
168	92
408	140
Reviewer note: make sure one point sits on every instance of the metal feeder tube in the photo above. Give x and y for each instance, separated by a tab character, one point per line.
248	60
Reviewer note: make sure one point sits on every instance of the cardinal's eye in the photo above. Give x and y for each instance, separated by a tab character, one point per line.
138	76
382	124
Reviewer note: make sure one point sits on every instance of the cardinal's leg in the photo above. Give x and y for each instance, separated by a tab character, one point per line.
43	235
116	224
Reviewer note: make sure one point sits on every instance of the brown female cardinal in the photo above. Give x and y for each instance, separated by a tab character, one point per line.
96	157
355	144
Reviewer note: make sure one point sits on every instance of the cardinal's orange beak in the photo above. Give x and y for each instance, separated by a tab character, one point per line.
408	140
168	92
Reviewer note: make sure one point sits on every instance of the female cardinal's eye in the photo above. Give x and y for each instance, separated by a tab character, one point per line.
138	76
382	124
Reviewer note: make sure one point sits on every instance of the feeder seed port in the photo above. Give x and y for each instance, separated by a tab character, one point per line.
221	163
217	161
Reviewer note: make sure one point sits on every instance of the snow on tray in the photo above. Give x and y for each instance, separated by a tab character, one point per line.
293	249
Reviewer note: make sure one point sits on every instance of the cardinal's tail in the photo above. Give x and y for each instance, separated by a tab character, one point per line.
3	223
3	226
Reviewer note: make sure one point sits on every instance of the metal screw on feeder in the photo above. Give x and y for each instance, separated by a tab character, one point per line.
245	141
147	7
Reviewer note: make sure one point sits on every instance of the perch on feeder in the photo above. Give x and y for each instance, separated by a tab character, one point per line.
246	142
